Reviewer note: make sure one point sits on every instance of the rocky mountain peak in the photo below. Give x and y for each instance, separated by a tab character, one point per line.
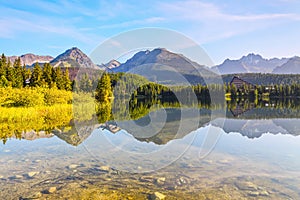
252	58
73	57
29	59
162	66
112	64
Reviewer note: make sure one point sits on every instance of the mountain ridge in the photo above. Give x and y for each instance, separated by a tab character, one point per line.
29	59
161	56
165	67
251	63
292	66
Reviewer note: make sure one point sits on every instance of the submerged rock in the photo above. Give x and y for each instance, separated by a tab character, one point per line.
105	168
253	193
181	181
264	193
31	174
146	179
157	196
73	166
246	186
16	177
50	190
160	180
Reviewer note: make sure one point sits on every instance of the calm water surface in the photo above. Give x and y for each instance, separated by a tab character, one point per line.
251	155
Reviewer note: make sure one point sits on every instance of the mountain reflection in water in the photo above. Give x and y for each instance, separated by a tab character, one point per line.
161	125
164	140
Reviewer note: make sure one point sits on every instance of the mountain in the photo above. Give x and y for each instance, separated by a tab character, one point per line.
112	65
256	128
77	134
73	57
163	66
252	63
29	59
292	66
160	56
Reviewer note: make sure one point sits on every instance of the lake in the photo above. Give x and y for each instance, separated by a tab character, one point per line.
238	151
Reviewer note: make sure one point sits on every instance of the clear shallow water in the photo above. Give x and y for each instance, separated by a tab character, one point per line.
243	160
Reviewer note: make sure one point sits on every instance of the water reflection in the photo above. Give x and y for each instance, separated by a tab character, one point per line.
250	119
236	168
159	121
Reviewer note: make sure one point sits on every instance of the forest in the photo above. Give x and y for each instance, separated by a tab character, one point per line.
48	85
21	86
45	97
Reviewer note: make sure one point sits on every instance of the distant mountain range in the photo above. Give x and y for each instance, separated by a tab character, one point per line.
292	66
72	57
255	128
29	59
165	60
252	63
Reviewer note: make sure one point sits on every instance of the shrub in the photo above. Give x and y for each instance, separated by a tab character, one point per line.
29	97
55	96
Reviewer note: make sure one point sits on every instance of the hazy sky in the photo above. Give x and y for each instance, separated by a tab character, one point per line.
225	29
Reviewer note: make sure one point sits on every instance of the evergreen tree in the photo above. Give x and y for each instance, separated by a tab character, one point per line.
3	65
66	80
36	76
18	74
58	78
85	84
104	90
10	74
47	74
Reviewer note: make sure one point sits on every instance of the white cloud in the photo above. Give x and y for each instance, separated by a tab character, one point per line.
209	22
18	22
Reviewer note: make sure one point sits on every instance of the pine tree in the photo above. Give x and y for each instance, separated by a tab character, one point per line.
18	74
3	65
104	90
66	80
57	77
47	74
85	84
36	76
10	74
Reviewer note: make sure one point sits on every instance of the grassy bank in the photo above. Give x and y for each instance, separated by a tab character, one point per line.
15	120
40	109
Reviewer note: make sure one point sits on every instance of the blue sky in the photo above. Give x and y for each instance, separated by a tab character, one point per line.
224	29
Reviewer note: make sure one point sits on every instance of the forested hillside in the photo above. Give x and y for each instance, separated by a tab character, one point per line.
265	79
